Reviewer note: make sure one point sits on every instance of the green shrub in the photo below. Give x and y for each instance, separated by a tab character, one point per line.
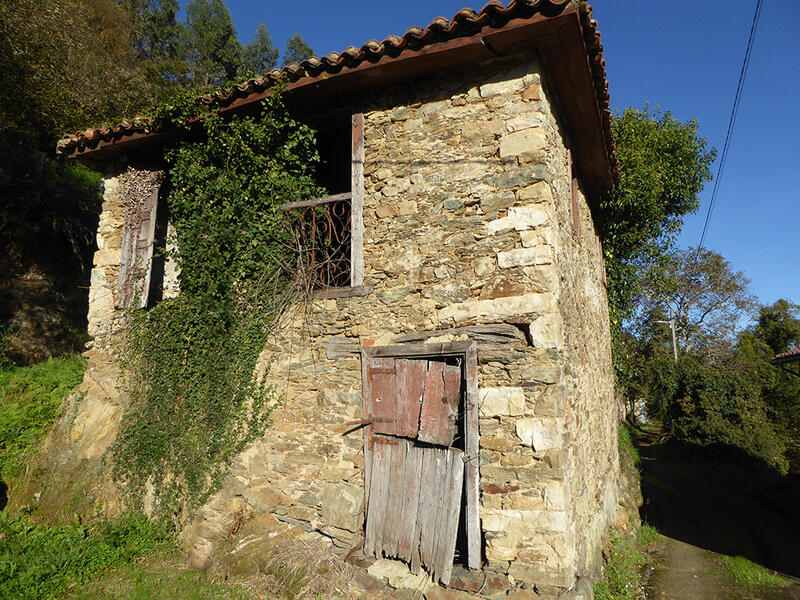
30	398
708	406
39	563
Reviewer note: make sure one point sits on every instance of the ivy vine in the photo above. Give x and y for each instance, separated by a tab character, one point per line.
196	399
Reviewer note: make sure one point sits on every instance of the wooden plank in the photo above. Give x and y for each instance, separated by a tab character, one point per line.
375	506
450	533
127	255
379	496
471	442
392	523
342	347
382	401
366	392
423	511
342	292
434	534
410	387
315	201
411	350
147	237
500	333
437	421
408	540
357	202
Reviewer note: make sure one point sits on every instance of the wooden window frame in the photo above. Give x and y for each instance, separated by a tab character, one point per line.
356	197
468	352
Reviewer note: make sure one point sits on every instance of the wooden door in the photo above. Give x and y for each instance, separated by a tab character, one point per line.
415	474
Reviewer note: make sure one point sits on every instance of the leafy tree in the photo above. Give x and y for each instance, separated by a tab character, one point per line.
296	50
779	325
260	55
707	298
664	165
777	329
66	64
214	53
160	41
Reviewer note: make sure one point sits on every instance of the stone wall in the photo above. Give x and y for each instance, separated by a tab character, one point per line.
468	216
468	220
69	474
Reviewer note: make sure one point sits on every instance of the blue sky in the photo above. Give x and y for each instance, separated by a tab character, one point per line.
684	56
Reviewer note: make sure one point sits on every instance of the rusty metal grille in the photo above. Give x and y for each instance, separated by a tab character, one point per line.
321	234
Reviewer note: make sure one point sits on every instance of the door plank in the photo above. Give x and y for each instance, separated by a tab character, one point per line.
392	523
408	538
383	399
450	534
373	542
437	422
370	535
411	388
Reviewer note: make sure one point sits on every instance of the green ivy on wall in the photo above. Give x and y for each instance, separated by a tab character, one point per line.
196	400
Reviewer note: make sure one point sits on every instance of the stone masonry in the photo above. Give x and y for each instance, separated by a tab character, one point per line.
470	218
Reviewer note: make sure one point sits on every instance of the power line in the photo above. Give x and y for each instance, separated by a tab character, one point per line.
734	111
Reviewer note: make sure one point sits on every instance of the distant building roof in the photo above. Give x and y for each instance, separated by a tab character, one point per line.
788	356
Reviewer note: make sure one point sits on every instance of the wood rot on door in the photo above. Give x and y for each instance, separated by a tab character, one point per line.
415	461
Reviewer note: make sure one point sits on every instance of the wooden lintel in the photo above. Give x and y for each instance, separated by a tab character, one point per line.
316	201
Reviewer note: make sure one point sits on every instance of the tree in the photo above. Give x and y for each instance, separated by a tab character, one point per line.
67	64
779	325
296	50
664	165
160	42
260	55
707	297
777	329
214	53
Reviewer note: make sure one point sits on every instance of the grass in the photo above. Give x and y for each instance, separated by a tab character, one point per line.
625	555
626	448
622	571
42	563
744	571
30	398
160	578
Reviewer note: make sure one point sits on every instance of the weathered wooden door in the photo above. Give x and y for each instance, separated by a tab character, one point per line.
415	471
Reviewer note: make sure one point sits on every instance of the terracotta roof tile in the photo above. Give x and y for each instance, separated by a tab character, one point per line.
465	22
793	353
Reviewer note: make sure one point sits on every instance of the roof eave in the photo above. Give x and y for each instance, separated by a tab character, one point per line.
559	40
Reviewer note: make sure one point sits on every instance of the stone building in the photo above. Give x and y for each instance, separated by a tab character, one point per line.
449	391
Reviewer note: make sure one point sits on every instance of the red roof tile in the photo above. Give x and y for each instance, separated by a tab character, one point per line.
494	15
789	354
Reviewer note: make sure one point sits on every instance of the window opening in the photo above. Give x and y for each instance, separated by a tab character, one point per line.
323	228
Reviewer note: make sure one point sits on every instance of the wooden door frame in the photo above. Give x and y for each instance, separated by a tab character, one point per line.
468	351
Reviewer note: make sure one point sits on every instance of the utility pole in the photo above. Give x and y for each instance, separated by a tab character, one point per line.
671	324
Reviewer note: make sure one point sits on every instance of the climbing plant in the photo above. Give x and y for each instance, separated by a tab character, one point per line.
196	398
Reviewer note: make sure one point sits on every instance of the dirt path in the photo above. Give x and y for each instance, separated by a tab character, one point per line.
687	572
705	509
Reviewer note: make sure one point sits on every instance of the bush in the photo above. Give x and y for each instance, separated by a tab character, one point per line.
30	398
39	563
707	406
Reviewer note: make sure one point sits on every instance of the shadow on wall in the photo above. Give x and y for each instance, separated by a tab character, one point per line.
722	500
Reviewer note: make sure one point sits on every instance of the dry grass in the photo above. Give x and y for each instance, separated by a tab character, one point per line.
293	570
